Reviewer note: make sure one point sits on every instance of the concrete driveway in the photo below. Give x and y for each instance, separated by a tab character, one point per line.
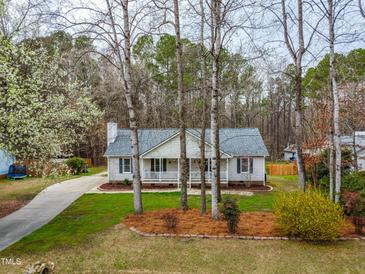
44	207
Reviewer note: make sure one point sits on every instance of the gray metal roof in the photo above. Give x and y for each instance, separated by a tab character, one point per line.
233	141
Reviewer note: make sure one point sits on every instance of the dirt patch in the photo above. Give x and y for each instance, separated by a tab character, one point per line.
191	222
9	206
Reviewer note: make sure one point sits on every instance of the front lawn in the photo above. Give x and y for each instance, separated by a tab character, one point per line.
96	212
84	239
15	194
27	188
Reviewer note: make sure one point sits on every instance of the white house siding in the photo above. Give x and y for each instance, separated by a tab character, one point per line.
113	170
171	149
288	155
258	174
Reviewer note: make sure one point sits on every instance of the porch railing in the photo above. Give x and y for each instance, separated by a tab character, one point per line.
194	176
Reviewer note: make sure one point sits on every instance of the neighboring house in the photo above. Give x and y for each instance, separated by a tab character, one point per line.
356	143
290	153
5	161
243	155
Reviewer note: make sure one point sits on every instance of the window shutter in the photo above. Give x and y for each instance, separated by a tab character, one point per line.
251	165
132	165
121	165
152	165
164	165
238	165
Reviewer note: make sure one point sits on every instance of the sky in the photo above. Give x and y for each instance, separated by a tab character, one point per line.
255	30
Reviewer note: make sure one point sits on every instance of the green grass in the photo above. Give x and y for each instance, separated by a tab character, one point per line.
96	212
84	239
283	183
29	187
93	213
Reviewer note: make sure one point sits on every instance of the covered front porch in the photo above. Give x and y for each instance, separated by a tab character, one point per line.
167	170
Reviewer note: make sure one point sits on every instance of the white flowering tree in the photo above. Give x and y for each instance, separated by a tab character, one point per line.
43	112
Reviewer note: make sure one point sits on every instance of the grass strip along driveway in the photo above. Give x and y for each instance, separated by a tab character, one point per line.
84	238
15	194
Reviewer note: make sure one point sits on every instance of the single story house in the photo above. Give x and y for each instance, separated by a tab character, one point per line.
242	152
358	145
5	161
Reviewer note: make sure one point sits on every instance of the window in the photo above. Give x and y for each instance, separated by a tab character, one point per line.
244	165
208	165
125	165
158	165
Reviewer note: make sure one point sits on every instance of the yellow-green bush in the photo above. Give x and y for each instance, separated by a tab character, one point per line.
308	215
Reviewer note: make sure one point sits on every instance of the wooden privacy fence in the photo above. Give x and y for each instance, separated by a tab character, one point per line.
282	169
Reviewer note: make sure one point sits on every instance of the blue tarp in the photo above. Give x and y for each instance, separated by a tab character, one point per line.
5	161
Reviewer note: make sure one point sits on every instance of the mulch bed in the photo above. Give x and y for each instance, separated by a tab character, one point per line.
121	187
9	206
260	224
252	188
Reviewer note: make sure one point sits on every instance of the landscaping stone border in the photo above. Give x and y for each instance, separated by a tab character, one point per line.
216	237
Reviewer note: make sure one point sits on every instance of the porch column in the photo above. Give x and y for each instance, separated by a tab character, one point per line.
178	172
190	171
160	169
227	170
142	168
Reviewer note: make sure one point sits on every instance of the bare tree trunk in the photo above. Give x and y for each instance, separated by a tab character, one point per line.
131	110
297	56
331	165
299	110
182	126
331	154
336	104
218	155
125	72
203	202
216	45
299	129
356	165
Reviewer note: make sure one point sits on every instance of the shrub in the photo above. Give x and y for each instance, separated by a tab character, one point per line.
231	213
348	199
354	181
76	164
308	215
171	220
358	213
126	182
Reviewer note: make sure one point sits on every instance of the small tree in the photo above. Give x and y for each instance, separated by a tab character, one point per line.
231	213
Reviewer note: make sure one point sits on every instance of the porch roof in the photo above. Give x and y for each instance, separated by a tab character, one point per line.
233	141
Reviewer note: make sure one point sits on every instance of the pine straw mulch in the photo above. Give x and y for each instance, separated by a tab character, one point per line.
9	206
260	224
123	187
